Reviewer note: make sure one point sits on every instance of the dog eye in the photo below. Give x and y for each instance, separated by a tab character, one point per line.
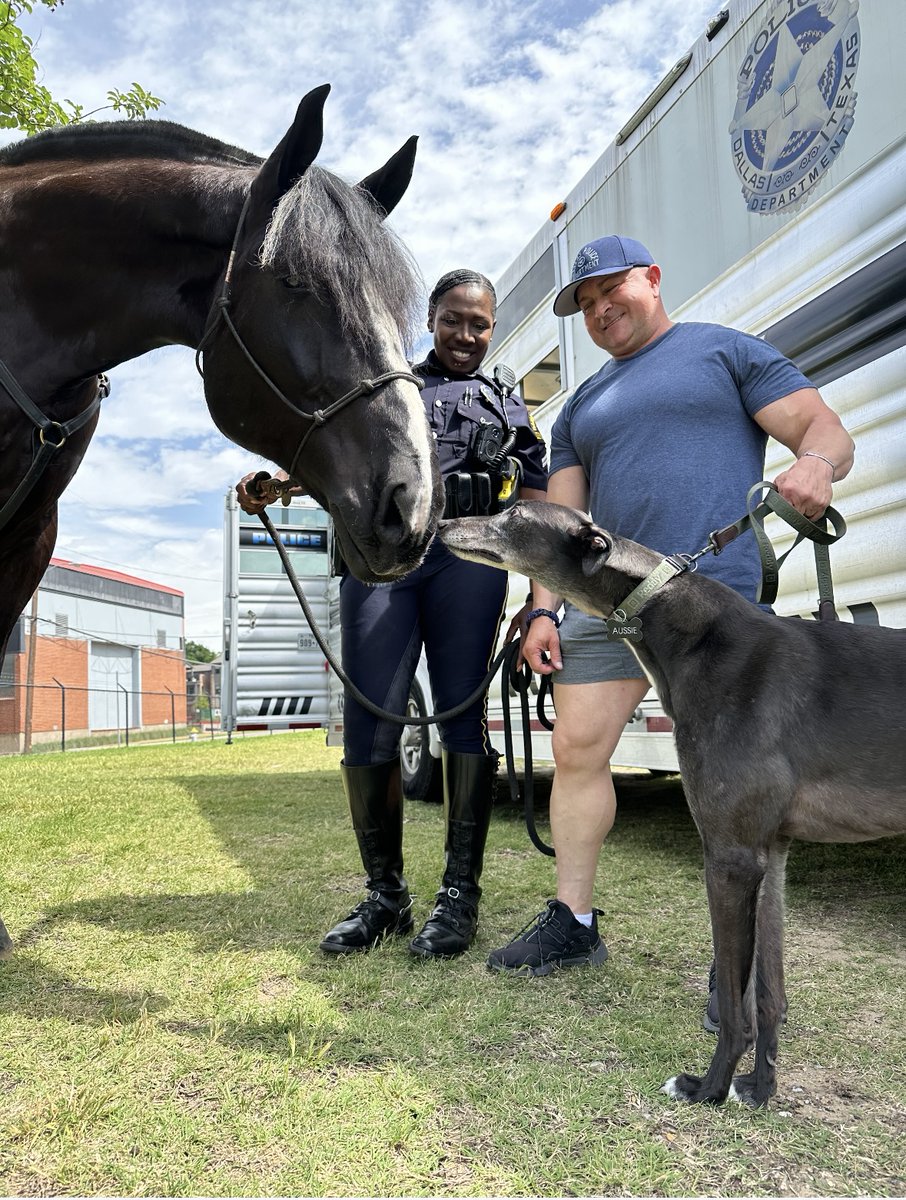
291	281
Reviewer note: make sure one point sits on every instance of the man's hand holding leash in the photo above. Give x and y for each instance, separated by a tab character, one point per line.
808	484
823	449
541	641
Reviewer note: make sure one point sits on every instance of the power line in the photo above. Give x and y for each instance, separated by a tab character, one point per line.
171	574
158	651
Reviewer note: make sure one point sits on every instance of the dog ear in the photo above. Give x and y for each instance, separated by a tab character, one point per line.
595	549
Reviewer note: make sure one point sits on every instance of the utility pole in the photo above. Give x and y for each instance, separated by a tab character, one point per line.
30	674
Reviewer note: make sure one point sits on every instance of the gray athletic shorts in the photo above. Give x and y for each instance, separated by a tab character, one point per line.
588	657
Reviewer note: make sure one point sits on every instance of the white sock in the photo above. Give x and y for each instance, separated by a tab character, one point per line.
584	919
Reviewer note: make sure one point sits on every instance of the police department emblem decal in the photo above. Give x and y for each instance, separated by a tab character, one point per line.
586	260
795	100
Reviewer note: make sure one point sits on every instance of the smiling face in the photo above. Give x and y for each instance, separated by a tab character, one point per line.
623	312
462	324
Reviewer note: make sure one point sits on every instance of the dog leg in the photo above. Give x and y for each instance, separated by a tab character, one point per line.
757	1087
733	876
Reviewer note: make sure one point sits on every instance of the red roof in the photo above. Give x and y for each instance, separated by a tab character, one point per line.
118	576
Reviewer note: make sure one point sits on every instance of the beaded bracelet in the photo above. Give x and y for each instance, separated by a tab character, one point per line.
543	612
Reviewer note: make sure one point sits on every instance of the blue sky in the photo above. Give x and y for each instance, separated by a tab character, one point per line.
513	100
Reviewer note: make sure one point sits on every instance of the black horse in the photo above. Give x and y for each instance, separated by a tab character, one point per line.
117	238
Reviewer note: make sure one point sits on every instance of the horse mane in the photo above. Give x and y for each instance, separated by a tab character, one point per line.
333	239
125	139
327	233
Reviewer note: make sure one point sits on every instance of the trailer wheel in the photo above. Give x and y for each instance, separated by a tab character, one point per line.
420	779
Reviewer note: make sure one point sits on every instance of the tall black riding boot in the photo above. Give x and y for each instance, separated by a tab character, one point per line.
468	799
375	798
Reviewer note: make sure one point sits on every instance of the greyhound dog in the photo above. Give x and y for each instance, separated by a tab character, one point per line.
782	731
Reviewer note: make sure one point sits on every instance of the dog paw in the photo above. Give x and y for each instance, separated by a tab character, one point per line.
690	1089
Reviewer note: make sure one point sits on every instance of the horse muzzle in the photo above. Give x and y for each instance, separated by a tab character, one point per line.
385	541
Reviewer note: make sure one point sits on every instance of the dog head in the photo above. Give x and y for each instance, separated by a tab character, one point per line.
557	546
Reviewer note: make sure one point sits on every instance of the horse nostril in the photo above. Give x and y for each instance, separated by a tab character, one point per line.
394	515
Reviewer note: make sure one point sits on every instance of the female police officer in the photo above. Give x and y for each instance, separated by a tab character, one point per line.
489	452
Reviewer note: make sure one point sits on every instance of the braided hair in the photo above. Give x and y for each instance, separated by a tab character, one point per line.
456	278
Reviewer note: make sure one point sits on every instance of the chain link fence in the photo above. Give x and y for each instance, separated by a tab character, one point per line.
55	716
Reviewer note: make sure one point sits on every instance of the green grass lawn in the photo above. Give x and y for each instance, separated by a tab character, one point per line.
168	1025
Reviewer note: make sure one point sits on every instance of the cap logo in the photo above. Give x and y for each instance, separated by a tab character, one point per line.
586	260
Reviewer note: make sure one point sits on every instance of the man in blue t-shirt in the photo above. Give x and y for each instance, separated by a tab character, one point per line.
660	446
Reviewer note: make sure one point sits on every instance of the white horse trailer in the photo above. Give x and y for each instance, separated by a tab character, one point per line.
274	675
766	174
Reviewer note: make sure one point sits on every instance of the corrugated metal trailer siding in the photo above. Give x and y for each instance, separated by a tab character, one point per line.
274	674
673	184
281	677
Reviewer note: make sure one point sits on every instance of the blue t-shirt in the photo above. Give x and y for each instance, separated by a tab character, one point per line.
667	441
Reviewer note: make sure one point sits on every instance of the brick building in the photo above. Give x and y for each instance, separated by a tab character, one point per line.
99	651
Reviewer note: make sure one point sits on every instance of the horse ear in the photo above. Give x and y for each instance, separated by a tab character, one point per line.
387	185
296	152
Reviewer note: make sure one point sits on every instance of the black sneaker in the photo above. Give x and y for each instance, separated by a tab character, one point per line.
554	939
711	1015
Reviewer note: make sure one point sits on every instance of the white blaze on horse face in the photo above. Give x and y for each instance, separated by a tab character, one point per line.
401	397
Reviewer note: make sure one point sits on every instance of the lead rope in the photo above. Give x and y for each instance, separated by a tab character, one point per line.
506	655
520	681
358	695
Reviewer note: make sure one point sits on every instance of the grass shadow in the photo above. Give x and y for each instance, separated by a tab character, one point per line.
290	834
31	989
853	884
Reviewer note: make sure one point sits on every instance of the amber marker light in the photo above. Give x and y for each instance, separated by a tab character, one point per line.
558	210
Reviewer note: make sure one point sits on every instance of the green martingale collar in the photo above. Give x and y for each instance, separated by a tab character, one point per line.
624	625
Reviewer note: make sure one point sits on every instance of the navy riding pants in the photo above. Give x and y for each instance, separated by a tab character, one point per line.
453	608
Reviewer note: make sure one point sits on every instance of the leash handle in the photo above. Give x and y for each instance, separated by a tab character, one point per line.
819	534
520	680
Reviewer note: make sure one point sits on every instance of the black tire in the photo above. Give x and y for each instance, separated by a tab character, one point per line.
421	781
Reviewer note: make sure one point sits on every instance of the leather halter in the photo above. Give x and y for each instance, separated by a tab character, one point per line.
52	435
220	311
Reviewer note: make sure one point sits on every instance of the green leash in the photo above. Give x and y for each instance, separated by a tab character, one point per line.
831	528
624	624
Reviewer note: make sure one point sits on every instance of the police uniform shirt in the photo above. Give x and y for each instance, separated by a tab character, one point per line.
458	406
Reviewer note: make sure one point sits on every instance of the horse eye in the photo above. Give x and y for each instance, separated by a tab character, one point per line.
292	281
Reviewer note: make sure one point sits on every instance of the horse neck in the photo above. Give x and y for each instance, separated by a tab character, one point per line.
127	257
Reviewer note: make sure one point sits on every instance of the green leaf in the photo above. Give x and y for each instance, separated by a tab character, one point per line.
27	104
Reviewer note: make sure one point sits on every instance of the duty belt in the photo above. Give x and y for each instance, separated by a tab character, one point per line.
478	494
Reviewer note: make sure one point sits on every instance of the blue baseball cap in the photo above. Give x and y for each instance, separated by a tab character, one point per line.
606	256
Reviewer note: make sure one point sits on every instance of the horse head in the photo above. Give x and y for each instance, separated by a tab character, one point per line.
320	298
